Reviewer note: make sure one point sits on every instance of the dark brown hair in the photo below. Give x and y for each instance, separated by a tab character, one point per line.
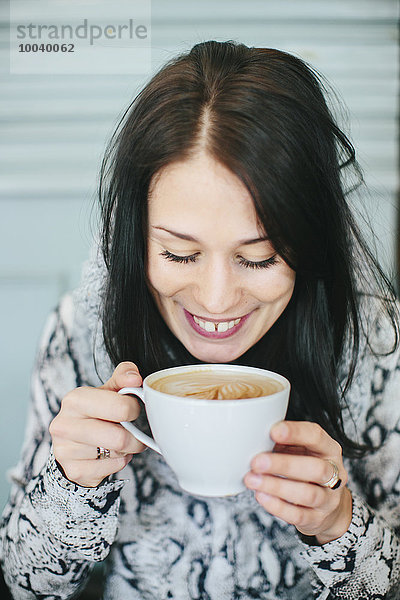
262	114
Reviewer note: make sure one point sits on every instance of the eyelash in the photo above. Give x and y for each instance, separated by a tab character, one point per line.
262	264
249	264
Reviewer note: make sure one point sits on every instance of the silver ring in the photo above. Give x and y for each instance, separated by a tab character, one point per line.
334	481
102	453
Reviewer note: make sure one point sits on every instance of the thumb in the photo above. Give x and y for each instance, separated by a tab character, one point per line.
126	374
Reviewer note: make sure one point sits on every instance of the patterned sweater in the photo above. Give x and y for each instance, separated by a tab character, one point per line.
159	542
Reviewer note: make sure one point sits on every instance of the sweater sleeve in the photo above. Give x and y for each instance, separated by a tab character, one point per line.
52	530
365	561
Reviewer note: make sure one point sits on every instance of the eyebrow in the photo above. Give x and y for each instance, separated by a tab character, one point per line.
190	238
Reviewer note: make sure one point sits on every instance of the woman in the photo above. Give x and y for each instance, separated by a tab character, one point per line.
227	237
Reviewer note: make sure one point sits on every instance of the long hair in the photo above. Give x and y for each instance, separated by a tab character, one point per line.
261	113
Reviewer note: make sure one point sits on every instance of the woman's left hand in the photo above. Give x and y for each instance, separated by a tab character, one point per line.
289	482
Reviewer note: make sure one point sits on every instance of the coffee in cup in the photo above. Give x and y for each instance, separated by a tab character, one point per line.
209	421
217	384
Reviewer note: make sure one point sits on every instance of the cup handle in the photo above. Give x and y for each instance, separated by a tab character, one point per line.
129	426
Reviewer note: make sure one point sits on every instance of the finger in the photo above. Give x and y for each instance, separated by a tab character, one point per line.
126	374
101	404
77	451
95	432
299	516
310	435
299	468
294	492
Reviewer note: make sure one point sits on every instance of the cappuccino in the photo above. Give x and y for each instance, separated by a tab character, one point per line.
210	445
217	385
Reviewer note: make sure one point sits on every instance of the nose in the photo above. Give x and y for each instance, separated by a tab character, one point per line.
217	289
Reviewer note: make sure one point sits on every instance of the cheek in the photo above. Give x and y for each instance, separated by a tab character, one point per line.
162	278
275	286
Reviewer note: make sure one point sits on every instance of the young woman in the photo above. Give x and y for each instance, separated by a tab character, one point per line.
227	237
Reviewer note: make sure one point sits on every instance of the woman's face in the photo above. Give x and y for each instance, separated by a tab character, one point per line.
217	282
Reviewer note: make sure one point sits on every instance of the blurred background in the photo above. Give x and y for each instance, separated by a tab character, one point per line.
54	129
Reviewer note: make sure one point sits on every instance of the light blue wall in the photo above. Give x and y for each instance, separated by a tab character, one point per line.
53	131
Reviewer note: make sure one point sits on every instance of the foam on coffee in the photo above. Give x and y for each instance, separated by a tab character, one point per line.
217	385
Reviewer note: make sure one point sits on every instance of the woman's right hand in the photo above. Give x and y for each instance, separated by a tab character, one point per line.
90	418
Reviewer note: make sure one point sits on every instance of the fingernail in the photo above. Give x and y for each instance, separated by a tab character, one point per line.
262	463
132	374
281	431
262	497
253	481
266	462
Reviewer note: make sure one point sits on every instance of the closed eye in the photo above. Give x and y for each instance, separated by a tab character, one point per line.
180	259
261	264
249	264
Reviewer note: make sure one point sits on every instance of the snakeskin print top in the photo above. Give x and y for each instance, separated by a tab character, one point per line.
159	542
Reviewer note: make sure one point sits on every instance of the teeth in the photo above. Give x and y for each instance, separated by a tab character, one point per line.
221	327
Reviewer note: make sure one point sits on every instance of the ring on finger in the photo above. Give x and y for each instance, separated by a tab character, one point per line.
335	481
102	453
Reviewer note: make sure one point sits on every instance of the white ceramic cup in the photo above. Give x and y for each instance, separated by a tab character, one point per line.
209	444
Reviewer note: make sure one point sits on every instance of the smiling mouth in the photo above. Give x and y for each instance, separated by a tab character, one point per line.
215	329
220	326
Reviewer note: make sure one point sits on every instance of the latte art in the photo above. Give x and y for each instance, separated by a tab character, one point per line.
217	385
222	391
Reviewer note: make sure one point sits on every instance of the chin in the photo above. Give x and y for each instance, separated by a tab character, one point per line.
216	355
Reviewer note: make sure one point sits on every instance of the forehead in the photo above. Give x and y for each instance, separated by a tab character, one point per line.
201	190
